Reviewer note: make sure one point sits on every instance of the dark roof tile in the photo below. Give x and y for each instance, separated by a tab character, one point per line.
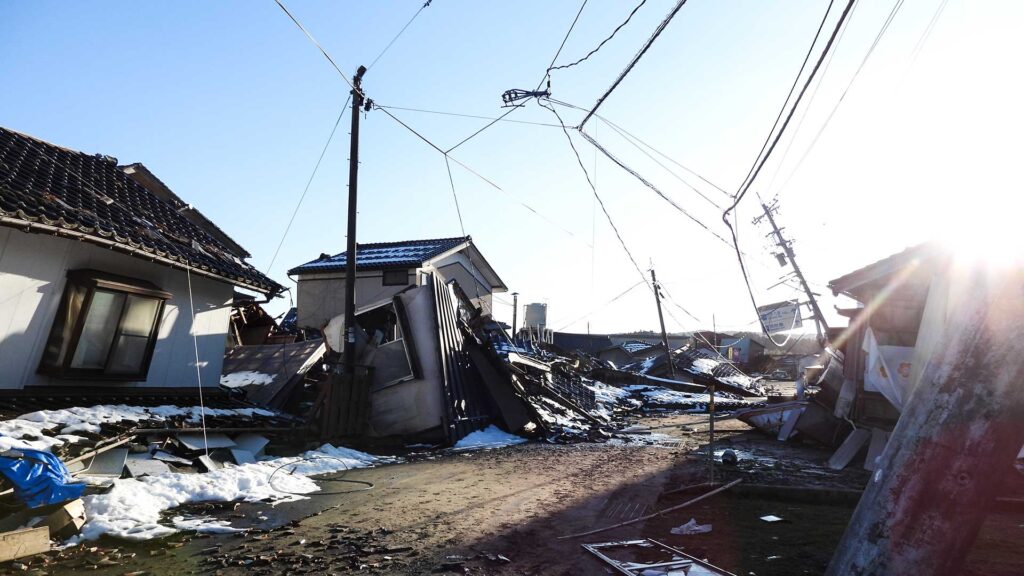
382	255
41	183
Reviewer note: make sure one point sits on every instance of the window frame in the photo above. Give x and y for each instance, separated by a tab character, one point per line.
59	355
405	277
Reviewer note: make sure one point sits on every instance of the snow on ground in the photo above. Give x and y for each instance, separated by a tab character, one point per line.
246	378
490	437
26	431
610	397
658	397
132	508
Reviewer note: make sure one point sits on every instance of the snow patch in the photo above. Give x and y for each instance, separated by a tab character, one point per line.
27	430
132	508
490	437
246	378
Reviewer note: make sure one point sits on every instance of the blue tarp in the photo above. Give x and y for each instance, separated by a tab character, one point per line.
39	478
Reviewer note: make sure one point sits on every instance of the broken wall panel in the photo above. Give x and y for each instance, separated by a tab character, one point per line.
467	407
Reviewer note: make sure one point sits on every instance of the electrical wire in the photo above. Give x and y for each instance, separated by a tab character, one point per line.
451	181
601	307
810	50
634	139
754	172
656	190
459	115
632	63
400	32
478	175
539	84
597	196
309	183
927	32
885	26
342	479
321	48
603	42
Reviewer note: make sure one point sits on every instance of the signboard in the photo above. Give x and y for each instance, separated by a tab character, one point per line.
780	316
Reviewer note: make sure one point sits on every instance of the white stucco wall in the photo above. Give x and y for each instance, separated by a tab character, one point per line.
320	297
33	269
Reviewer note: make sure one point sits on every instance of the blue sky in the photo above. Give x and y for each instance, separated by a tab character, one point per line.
230	105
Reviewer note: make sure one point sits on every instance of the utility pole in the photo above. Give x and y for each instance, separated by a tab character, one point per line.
787	247
515	310
661	319
350	254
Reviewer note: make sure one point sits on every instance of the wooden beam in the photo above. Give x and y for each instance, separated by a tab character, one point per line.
21	543
959	432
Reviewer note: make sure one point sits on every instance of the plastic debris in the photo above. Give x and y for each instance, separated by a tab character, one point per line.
691	527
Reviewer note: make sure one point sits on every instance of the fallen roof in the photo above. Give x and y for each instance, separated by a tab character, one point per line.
50	189
865	281
384	255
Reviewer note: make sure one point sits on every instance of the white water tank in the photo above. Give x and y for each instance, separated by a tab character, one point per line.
536	317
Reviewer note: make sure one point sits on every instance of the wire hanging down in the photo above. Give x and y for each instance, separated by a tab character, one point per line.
603	42
778	136
632	63
597	196
656	190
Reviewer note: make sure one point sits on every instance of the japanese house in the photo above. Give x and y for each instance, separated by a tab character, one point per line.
106	275
387	268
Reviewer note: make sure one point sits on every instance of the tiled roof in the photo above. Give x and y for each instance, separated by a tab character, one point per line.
383	255
49	189
634	346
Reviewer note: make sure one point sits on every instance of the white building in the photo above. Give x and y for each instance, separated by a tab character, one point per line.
102	273
387	268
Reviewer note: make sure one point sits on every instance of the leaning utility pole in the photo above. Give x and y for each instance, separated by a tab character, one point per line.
661	319
515	309
350	254
787	247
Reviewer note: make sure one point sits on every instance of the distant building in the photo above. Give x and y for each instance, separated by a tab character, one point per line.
591	344
741	350
386	268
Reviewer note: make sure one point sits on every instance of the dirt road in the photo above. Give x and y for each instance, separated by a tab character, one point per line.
502	512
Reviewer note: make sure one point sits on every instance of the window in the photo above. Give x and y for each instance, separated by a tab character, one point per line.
105	328
396	277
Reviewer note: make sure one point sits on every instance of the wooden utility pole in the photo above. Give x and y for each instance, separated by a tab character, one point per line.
955	442
515	310
787	247
350	255
661	319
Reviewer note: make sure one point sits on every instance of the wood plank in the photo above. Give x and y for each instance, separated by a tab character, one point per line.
22	543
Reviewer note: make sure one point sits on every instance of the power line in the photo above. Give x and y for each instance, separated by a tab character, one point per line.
400	32
539	84
656	190
885	26
603	42
477	174
810	101
927	32
628	136
810	49
666	168
749	181
309	182
460	115
321	48
598	197
601	307
632	63
458	210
